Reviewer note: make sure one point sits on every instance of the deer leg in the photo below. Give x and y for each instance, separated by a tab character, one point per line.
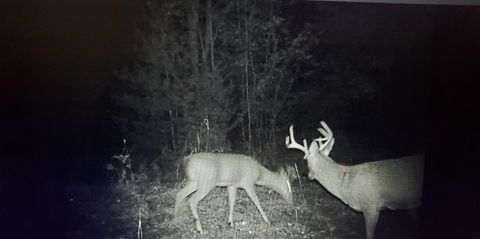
232	194
251	193
193	201
187	190
371	218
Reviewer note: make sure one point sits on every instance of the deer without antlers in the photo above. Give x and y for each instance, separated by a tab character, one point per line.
367	187
208	170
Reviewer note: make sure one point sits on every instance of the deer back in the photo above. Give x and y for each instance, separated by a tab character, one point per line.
392	183
221	169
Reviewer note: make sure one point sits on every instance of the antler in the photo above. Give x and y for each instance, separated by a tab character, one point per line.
326	143
294	145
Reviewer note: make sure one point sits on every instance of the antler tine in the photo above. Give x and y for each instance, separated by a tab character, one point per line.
292	144
325	126
324	133
325	141
305	145
321	139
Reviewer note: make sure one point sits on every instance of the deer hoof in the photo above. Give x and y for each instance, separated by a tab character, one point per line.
199	227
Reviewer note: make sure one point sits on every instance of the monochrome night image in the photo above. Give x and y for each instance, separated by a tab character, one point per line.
239	119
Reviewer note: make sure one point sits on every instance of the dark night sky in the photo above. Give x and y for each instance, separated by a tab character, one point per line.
57	59
58	56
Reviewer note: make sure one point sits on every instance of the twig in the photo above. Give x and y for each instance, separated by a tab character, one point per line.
298	175
296	215
139	229
300	182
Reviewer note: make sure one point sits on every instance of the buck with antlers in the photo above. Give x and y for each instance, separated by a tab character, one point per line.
208	170
367	187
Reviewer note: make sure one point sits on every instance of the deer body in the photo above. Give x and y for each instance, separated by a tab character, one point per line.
208	170
367	187
382	183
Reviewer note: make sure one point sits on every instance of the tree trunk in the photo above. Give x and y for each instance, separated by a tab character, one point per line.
172	130
192	34
210	34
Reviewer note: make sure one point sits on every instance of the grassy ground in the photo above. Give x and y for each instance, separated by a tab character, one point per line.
146	206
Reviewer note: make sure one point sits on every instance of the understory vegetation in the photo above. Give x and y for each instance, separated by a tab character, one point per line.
141	205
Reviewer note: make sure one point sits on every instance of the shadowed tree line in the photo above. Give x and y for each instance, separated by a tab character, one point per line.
206	70
231	76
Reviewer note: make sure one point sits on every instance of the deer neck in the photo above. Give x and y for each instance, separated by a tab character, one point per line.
269	179
266	177
331	175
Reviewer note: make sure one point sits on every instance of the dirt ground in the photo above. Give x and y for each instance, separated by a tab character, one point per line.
145	210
